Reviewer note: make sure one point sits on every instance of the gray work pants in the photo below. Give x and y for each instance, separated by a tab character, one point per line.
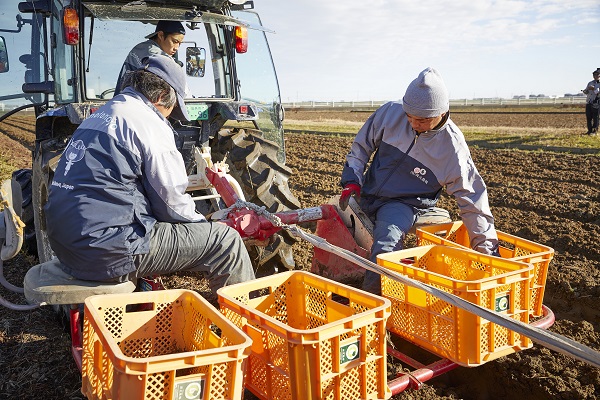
392	222
213	249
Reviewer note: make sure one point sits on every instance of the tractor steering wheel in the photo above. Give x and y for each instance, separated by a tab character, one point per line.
106	92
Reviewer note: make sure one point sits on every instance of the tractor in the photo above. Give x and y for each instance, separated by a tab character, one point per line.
63	58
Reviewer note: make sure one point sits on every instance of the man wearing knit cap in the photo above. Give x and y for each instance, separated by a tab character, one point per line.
418	151
118	208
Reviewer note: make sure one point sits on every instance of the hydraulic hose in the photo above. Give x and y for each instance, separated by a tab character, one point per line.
6	283
18	307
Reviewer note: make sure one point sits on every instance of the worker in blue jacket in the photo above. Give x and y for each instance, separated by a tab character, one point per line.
418	151
118	209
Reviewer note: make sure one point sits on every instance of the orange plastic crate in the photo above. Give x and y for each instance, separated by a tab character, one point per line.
183	348
511	247
446	330
313	338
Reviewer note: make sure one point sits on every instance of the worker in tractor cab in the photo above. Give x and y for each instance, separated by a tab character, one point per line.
165	40
118	208
3	58
418	151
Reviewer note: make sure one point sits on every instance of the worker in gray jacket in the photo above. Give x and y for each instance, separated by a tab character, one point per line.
418	151
165	40
118	208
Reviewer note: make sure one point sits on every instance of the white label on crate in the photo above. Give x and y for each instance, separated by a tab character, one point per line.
349	352
189	390
502	303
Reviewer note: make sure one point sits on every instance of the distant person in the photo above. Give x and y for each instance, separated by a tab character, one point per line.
418	151
592	104
165	40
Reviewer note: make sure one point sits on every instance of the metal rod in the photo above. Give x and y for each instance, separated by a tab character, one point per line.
414	379
207	197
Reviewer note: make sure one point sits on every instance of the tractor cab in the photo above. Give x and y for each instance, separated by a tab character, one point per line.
60	53
64	58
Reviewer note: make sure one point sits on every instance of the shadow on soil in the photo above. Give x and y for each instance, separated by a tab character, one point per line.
520	144
513	143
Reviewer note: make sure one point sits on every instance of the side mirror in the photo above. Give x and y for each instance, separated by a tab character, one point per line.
195	61
3	56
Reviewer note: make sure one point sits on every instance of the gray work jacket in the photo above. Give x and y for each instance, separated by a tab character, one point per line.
415	168
120	173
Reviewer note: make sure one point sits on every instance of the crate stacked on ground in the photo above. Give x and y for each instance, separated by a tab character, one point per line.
511	247
312	337
179	348
447	330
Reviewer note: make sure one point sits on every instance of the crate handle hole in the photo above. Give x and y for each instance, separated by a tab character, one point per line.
139	307
259	293
338	298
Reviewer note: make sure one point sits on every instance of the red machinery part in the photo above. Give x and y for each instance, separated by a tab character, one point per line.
76	335
252	225
330	265
330	227
221	184
249	223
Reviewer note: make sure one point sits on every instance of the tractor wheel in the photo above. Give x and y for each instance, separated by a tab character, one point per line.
23	177
40	181
253	163
39	197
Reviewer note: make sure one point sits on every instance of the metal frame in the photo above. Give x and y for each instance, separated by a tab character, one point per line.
422	373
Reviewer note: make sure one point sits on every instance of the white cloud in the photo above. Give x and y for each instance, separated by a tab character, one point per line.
355	49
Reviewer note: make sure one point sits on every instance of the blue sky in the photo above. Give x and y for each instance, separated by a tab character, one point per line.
371	50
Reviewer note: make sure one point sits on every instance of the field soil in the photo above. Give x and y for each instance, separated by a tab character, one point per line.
551	198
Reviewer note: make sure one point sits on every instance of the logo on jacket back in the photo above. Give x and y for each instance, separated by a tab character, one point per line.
74	152
109	120
420	174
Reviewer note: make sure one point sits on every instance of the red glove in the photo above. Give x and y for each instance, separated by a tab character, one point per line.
351	189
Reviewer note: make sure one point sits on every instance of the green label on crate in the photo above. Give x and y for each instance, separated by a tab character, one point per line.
189	390
349	352
502	303
197	111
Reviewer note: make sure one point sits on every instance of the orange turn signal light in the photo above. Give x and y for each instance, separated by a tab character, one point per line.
241	39
71	26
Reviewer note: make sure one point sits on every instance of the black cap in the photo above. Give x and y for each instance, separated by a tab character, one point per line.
167	27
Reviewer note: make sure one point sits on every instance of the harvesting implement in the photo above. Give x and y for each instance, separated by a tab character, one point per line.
47	284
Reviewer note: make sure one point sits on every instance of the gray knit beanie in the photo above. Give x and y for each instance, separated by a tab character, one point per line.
427	95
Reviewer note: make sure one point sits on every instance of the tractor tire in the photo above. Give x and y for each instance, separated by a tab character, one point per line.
23	178
40	181
42	175
253	163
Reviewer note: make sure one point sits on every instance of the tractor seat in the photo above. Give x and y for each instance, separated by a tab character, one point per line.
48	283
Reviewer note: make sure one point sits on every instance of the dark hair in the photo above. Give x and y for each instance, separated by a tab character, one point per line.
153	87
